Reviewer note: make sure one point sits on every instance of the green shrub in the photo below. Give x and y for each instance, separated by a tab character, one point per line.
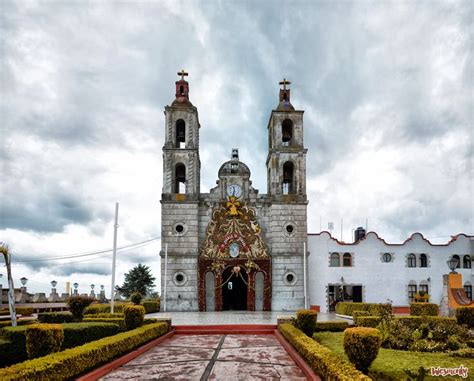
103	309
43	339
119	322
4	312
424	309
72	362
368	321
8	323
133	316
362	346
106	315
357	314
55	317
321	359
331	326
348	308
24	311
136	298
76	334
77	305
467	353
306	321
425	345
11	352
151	306
465	315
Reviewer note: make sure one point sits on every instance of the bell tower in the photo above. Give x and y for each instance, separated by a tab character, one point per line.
286	187
286	160
180	202
181	164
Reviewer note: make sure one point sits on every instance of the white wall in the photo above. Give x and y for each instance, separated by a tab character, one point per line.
382	281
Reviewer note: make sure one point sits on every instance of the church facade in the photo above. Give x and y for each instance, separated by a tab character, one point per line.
233	248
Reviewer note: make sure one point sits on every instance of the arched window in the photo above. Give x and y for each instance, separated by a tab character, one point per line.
335	260
286	132
424	287
347	260
459	261
387	257
288	178
180	178
467	262
423	260
468	290
180	133
411	260
181	90
412	289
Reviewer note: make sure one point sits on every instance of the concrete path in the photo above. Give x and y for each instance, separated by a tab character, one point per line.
212	357
232	317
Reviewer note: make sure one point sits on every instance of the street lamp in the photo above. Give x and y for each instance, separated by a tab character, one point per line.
54	283
92	286
24	281
76	285
452	264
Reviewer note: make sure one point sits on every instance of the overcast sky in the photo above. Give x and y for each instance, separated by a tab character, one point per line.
387	90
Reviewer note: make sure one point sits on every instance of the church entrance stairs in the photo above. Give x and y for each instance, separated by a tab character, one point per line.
225	352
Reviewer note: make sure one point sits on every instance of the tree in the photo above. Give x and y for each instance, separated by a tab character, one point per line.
4	249
138	279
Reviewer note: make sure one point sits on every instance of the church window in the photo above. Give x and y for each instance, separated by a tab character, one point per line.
289	229
179	278
288	178
468	290
290	278
347	260
286	132
467	262
180	178
387	257
424	288
411	260
180	133
458	259
181	90
412	289
423	260
335	260
179	228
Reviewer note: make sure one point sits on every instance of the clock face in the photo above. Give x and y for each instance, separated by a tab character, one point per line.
234	190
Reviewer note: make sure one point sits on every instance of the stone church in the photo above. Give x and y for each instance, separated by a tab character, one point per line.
233	248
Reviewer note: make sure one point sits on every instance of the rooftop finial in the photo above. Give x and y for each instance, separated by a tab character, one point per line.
235	154
284	83
183	74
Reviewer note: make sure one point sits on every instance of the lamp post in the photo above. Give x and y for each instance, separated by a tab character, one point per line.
452	264
75	285
92	295
53	297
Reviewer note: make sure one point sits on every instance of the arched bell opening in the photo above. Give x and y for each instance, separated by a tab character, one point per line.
180	178
180	133
288	178
286	132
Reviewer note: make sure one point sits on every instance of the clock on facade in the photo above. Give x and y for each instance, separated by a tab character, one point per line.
234	190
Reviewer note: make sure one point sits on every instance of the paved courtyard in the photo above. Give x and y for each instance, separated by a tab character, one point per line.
212	357
232	317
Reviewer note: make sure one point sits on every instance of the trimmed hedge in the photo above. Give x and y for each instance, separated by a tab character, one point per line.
77	305
8	323
95	309
55	317
133	316
321	359
151	306
368	321
43	339
357	314
72	362
362	346
306	321
13	347
119	322
465	315
23	311
331	326
374	309
424	309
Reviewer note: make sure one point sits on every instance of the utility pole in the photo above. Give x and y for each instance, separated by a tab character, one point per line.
114	259
304	277
166	277
11	291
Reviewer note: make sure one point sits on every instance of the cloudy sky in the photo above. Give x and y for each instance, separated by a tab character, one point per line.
387	89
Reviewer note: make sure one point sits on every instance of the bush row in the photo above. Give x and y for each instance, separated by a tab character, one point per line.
331	326
55	317
465	315
306	321
321	359
348	308
424	309
8	323
70	363
412	322
23	311
43	339
75	334
150	306
362	346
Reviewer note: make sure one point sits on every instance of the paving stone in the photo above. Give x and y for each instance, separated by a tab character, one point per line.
191	370
172	354
229	371
237	341
193	341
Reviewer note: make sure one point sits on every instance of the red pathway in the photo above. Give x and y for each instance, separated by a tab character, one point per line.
212	357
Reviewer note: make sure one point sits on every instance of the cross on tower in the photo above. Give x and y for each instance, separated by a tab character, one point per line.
183	74
284	83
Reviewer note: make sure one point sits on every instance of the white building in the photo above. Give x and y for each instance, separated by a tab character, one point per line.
372	270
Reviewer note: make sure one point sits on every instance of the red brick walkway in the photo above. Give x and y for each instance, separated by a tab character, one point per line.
212	357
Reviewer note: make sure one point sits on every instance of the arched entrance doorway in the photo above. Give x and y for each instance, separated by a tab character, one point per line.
234	292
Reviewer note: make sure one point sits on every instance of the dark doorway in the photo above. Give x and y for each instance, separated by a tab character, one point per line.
357	294
234	292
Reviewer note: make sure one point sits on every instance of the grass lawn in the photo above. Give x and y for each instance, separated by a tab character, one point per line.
390	363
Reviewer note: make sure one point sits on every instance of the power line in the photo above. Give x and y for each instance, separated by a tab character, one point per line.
87	254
